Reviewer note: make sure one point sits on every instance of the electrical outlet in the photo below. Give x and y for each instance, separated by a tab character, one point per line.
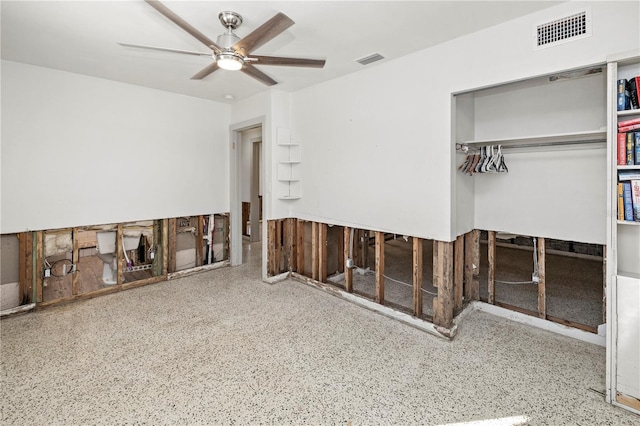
535	279
47	273
152	255
73	268
350	263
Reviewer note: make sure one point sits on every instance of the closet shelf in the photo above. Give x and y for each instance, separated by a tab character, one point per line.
290	162
628	222
289	197
629	112
589	136
634	167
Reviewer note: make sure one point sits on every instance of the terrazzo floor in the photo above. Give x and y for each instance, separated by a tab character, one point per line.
222	347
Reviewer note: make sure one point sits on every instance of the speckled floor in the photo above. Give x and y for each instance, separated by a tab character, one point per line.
221	347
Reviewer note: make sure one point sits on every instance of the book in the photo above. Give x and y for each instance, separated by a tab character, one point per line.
628	122
633	84
629	128
620	201
623	95
624	175
637	148
628	201
635	199
622	149
631	141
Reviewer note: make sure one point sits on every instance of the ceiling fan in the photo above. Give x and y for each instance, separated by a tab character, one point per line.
230	52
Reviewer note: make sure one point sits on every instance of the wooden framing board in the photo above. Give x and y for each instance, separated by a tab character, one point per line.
199	241
165	247
491	247
322	252
39	265
348	272
119	256
542	296
300	246
314	250
25	262
379	297
340	250
172	244
471	265
271	248
417	277
458	274
443	304
75	279
290	243
629	401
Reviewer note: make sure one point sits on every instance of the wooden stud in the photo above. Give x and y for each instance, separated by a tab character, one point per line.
458	274
379	267
348	272
39	265
120	255
199	241
172	247
300	246
165	246
443	304
471	265
364	248
314	250
25	266
278	248
417	277
291	244
437	275
492	267
627	400
271	248
542	296
322	252
75	278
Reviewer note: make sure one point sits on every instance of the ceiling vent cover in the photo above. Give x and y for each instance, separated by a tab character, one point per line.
369	59
563	30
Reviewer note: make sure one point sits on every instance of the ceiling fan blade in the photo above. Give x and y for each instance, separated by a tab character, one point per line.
206	71
264	33
252	71
287	62
165	49
169	14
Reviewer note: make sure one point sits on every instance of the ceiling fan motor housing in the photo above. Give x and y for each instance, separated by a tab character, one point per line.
227	40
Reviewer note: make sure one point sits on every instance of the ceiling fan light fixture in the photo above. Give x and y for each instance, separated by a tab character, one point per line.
229	61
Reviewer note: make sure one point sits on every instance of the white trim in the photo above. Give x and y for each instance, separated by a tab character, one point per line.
17	309
203	268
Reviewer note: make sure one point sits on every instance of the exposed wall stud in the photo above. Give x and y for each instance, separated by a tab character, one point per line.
39	264
271	248
120	255
322	252
165	247
471	265
26	266
348	272
443	304
199	241
75	278
491	246
300	246
278	248
417	277
173	235
314	251
458	274
379	268
542	296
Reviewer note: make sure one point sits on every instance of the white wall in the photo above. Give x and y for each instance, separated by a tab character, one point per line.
377	144
78	150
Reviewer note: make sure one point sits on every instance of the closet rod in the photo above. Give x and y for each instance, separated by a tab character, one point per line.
510	145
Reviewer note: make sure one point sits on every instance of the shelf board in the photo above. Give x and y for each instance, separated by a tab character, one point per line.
288	180
289	144
289	197
289	162
584	136
628	274
634	167
627	112
628	222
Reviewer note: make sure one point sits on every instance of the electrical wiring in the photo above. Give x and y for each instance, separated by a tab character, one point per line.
51	267
409	285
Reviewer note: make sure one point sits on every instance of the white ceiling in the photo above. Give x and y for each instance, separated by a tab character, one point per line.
82	37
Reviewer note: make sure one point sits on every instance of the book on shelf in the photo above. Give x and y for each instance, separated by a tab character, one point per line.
635	199
620	201
631	150
622	149
633	84
629	128
637	148
623	95
631	122
628	201
625	175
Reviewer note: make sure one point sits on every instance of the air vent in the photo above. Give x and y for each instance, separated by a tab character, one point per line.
369	59
563	30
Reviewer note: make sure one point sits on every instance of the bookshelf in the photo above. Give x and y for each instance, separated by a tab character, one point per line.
288	167
623	260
